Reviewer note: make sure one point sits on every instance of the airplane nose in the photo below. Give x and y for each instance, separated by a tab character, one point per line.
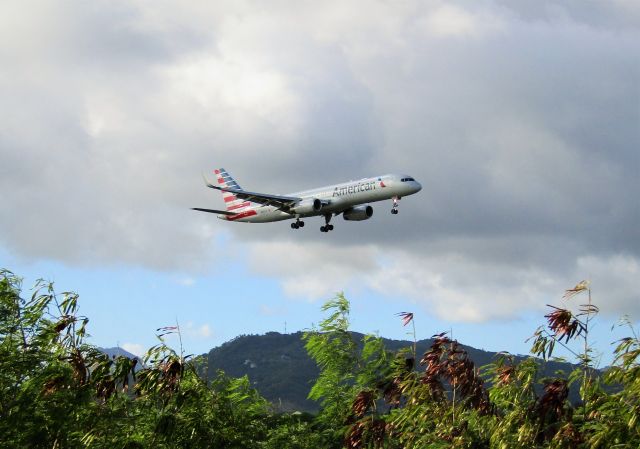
418	186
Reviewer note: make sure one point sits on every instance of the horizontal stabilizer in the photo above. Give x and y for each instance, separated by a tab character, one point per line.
213	211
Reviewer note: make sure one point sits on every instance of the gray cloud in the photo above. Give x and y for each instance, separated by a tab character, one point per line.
520	121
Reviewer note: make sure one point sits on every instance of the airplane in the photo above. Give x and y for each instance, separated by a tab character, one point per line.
349	199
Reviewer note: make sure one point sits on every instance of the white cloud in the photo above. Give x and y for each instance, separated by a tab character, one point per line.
236	85
202	331
520	121
311	270
614	283
448	20
454	286
186	281
134	348
267	310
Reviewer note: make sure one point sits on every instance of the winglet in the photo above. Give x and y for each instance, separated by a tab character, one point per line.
206	182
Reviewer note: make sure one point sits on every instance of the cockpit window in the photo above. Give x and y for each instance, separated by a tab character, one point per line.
407	179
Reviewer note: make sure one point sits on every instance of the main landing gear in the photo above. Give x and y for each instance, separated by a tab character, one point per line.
297	224
327	227
394	209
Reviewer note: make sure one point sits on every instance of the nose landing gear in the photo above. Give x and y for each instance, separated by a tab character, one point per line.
394	209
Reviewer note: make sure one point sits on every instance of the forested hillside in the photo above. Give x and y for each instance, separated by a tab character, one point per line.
58	391
280	368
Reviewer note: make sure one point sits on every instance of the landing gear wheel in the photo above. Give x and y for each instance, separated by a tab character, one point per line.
301	224
394	209
327	227
293	226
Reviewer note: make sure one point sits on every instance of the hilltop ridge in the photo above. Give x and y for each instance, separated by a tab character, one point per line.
280	369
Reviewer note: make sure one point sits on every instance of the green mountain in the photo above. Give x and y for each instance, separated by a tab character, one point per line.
280	369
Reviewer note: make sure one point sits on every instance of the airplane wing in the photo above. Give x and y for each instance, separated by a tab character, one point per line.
281	202
213	211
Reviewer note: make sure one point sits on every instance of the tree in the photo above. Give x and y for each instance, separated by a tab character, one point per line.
58	391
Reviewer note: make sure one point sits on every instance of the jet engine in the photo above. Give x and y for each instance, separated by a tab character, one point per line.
358	213
307	206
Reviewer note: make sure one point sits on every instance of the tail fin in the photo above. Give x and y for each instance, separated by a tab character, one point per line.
225	180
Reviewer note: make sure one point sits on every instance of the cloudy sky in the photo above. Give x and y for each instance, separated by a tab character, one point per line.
520	119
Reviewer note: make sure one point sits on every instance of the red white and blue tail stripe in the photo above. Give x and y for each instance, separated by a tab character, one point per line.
241	205
232	203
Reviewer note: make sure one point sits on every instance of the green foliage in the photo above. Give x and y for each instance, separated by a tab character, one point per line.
615	417
43	371
294	431
277	364
377	400
57	391
345	372
334	350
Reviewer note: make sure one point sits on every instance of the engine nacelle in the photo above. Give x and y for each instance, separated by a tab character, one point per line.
307	206
358	213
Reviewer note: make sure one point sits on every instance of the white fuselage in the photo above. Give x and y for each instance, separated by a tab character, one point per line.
336	198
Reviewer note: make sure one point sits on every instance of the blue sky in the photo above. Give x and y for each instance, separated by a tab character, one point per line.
127	304
519	120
